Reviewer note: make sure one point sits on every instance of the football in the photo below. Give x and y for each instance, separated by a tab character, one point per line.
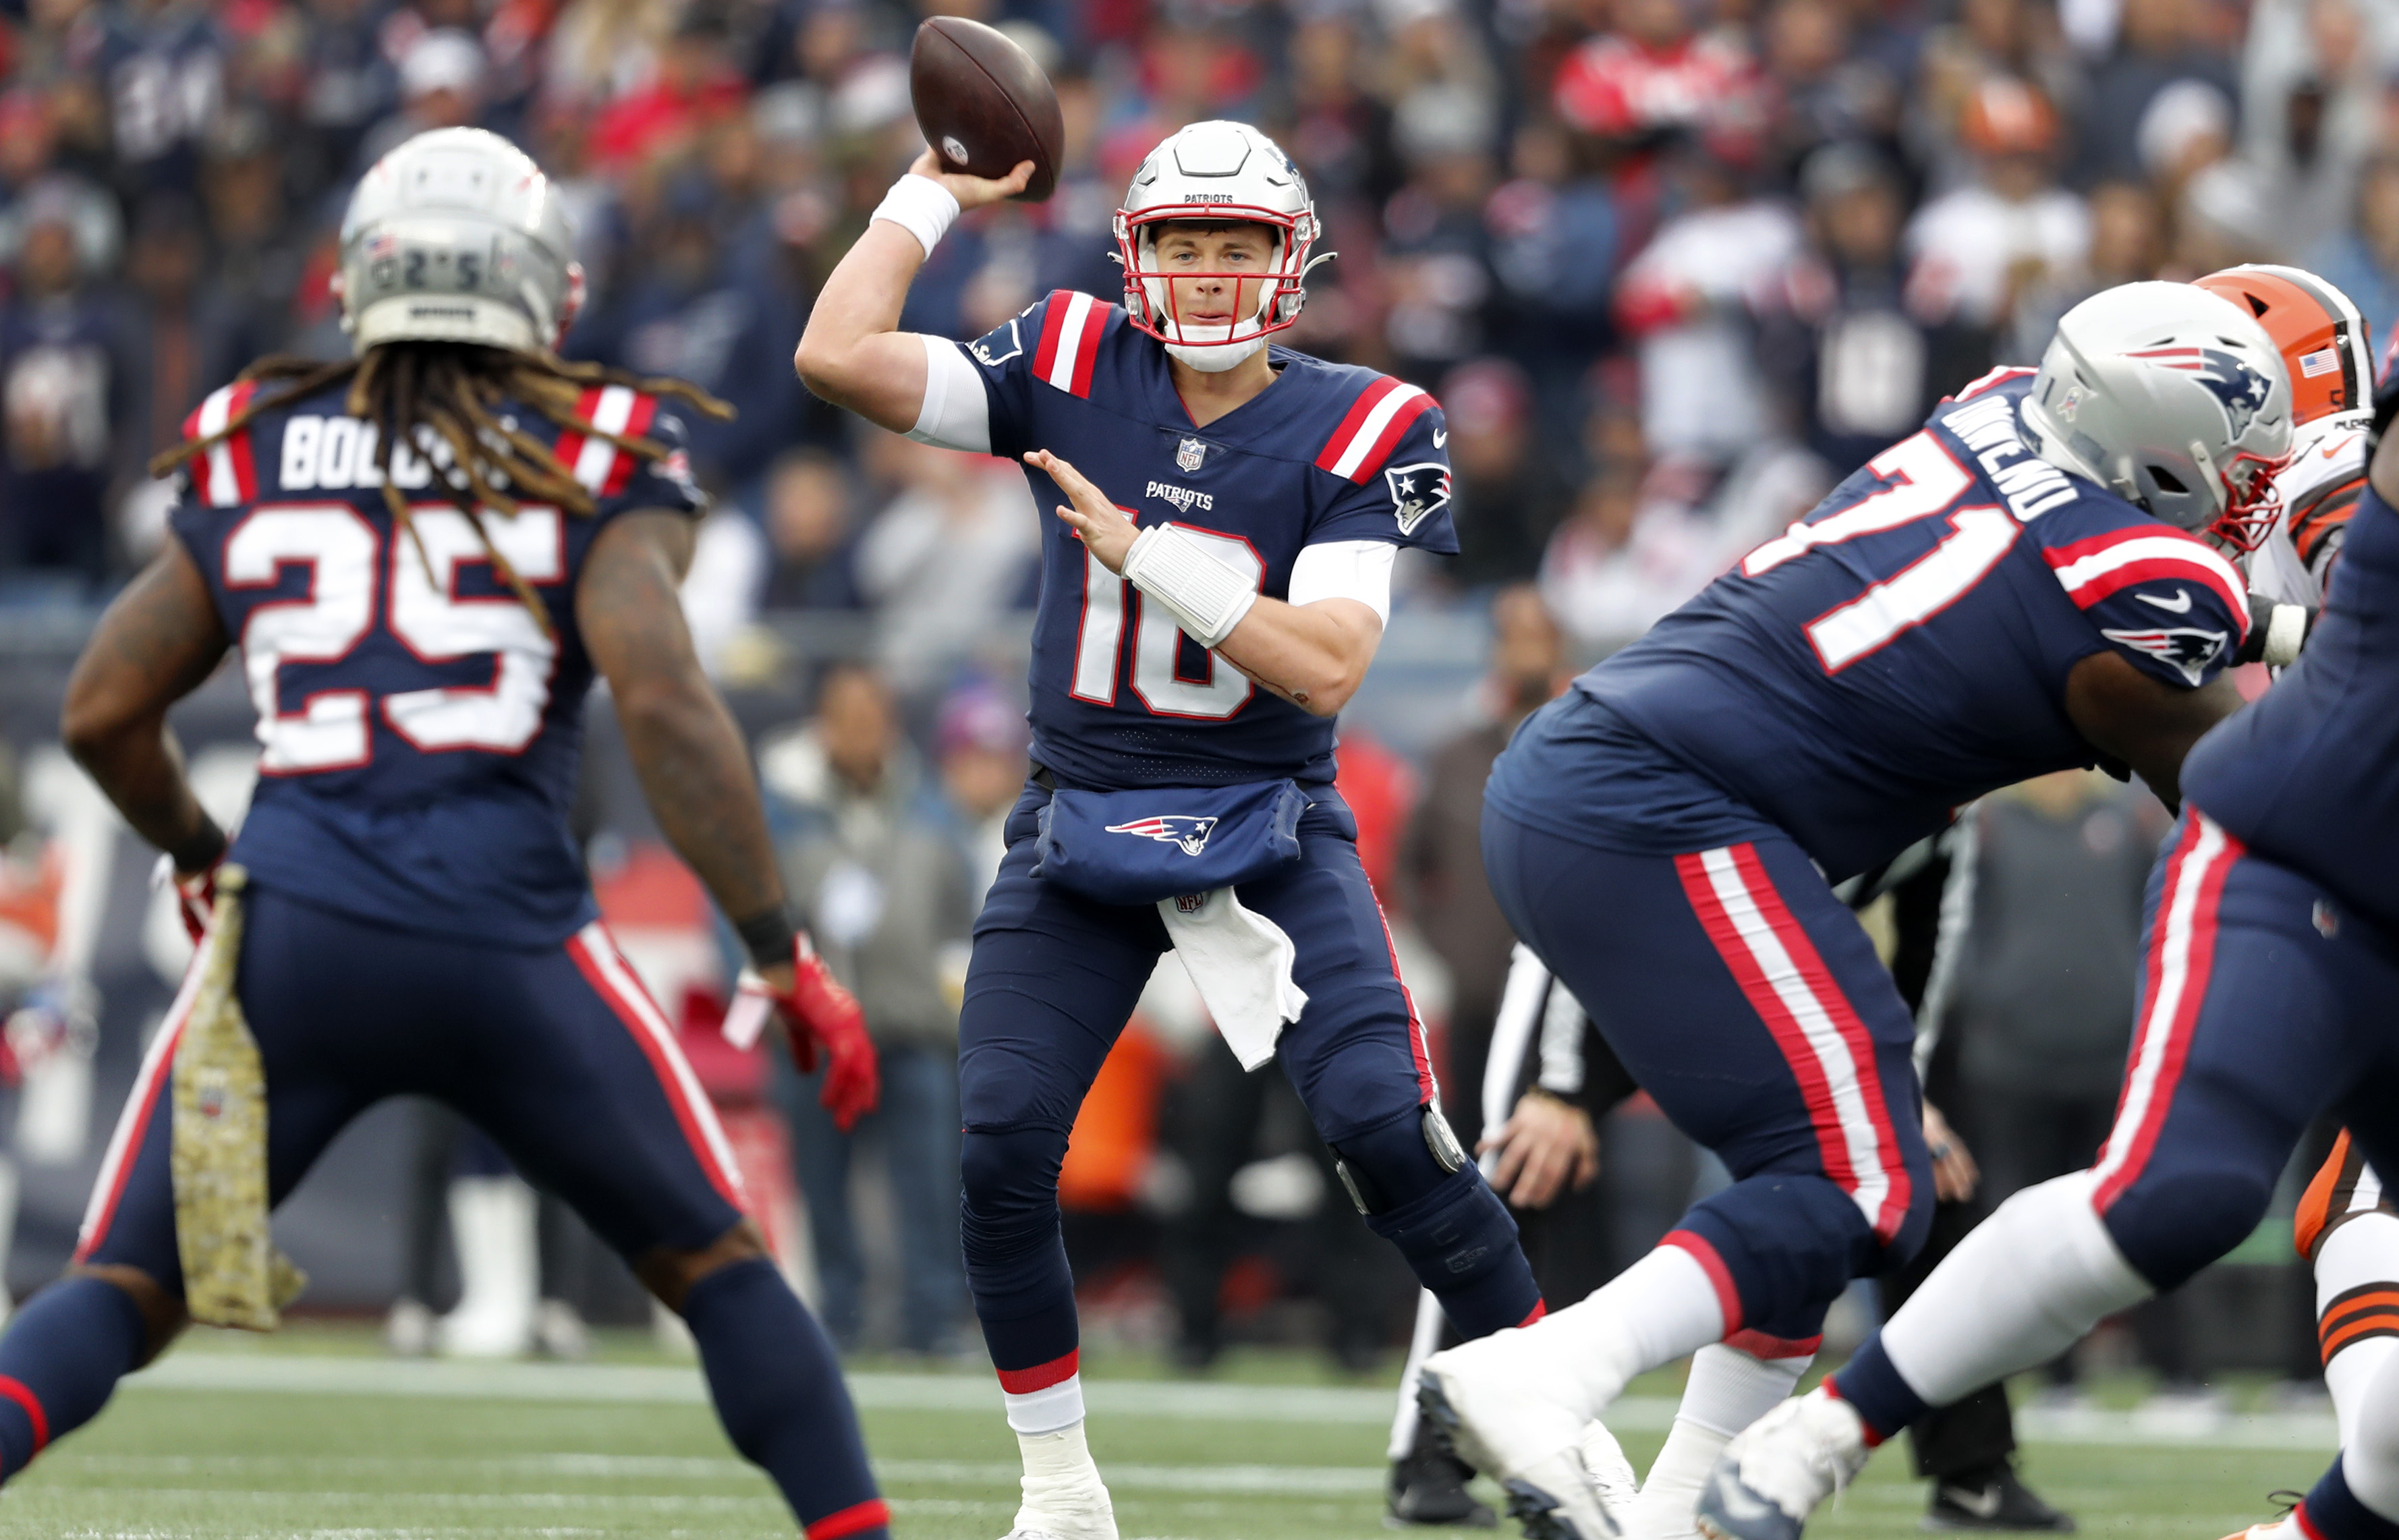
984	104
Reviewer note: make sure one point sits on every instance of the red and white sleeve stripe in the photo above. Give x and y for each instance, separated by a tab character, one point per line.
2093	569
226	476
597	463
1377	421
1070	342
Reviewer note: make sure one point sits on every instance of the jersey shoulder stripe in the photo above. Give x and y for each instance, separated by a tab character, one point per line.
1071	329
2094	568
226	476
1371	428
593	457
1999	376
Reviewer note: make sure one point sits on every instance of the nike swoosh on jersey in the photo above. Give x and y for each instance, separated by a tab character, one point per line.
1440	436
2179	605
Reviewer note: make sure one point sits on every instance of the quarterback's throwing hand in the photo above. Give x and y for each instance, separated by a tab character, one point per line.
818	1013
972	192
1098	524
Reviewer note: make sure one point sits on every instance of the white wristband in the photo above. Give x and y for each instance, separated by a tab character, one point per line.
1206	597
2285	629
922	207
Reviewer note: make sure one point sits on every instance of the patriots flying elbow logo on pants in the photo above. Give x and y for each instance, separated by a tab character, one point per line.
1179	829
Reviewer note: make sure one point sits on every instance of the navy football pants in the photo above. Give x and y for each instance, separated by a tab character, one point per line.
2264	1003
1748	1001
1052	980
559	1056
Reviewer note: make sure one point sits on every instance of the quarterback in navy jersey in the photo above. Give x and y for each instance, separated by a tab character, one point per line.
2017	588
1213	589
425	554
2271	959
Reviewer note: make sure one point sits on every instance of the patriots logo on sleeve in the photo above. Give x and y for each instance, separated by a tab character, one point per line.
2241	389
1417	491
2187	648
1185	829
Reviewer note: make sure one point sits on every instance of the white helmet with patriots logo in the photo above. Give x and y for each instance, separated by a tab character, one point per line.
456	235
1216	172
2174	399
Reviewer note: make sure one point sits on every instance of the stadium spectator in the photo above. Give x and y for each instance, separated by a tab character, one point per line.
980	738
63	385
2364	260
1976	248
885	895
1857	370
946	558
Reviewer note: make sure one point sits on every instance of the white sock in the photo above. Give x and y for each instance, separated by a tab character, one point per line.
2022	1287
2361	1253
1048	1410
1654	1312
1062	1490
2369	1456
1730	1389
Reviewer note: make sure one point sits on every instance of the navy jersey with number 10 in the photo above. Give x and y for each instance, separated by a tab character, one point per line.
1899	652
418	729
1326	453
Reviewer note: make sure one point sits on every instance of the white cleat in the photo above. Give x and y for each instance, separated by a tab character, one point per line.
1564	1473
1778	1472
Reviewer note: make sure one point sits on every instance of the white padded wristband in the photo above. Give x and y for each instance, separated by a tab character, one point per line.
2285	629
922	207
1206	597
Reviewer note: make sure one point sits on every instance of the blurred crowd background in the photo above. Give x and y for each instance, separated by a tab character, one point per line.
1673	267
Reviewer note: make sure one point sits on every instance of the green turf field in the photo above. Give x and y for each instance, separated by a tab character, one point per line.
313	1436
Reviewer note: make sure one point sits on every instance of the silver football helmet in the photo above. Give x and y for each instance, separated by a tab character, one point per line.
2172	396
456	235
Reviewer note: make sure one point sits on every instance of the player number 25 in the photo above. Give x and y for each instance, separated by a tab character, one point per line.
1927	482
348	562
1157	640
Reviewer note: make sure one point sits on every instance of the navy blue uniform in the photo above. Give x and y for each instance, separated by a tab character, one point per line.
1665	834
1123	699
419	919
2271	953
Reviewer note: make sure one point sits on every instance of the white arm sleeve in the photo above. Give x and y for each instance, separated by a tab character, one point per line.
1344	568
956	414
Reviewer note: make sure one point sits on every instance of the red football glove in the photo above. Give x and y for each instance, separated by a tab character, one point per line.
818	1013
196	898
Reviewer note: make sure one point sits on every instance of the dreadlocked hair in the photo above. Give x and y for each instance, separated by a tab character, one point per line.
453	392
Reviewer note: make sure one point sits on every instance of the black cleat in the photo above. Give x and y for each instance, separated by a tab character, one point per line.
1429	1490
1993	1499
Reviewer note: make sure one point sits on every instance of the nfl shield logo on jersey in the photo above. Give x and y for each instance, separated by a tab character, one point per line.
1188	453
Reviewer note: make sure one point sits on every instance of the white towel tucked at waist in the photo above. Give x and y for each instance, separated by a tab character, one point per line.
1240	963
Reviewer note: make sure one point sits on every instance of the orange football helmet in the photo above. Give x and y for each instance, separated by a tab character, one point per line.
2321	334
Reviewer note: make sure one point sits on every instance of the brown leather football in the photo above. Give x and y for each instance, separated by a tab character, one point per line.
985	104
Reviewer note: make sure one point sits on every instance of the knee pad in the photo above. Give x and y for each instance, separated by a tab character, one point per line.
1792	1243
1008	1192
1411	1181
1397	1162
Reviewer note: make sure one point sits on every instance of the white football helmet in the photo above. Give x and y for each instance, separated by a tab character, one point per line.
1219	173
456	235
2174	399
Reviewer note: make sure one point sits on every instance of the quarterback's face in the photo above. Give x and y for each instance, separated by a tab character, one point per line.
1215	273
